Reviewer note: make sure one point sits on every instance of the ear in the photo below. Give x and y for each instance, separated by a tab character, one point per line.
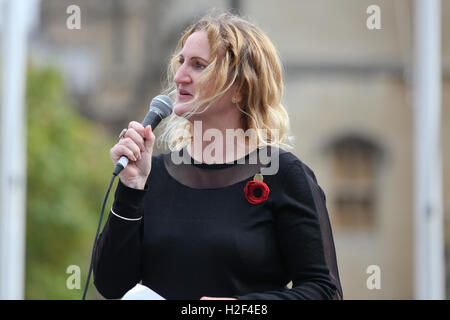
236	98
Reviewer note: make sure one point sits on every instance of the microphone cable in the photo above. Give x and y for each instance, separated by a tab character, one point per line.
94	248
160	107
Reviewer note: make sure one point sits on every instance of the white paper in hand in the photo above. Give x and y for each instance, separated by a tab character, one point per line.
141	292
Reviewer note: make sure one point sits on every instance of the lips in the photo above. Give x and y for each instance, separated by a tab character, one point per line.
183	92
184	95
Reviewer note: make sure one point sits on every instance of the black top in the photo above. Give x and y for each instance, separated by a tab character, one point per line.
200	236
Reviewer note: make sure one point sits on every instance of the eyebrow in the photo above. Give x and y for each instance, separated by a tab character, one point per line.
196	57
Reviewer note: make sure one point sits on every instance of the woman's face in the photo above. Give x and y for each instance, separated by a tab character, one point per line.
193	59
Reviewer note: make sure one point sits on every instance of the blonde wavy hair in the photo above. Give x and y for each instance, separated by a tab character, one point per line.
240	53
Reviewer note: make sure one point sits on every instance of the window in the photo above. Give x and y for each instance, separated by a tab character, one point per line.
354	162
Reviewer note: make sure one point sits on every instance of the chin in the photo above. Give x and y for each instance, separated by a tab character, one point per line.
181	108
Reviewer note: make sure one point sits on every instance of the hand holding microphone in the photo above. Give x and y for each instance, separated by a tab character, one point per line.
137	146
133	152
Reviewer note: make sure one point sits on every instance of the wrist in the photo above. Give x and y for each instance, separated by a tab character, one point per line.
128	202
138	184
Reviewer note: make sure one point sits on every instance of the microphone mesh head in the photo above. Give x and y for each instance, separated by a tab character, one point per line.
163	103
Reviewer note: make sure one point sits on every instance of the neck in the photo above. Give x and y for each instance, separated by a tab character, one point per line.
218	143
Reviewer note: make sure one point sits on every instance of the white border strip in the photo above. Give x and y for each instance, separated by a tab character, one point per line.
128	219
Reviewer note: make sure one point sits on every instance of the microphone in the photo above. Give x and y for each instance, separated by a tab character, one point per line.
160	108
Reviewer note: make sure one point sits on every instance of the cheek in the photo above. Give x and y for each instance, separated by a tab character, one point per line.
205	86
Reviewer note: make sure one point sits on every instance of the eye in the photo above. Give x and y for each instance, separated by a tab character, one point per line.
180	61
199	65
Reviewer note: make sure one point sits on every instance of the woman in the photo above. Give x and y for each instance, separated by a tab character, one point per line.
236	218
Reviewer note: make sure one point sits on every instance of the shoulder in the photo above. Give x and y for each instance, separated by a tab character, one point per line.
299	177
295	177
288	165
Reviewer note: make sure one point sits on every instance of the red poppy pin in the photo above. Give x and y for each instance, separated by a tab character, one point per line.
256	191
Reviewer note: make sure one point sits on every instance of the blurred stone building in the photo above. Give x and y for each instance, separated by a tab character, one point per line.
348	92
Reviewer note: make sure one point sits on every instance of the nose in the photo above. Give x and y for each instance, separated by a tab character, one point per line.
182	75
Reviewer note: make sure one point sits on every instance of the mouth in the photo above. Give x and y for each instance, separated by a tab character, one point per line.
184	94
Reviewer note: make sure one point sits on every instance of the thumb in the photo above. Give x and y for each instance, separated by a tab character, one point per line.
149	138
